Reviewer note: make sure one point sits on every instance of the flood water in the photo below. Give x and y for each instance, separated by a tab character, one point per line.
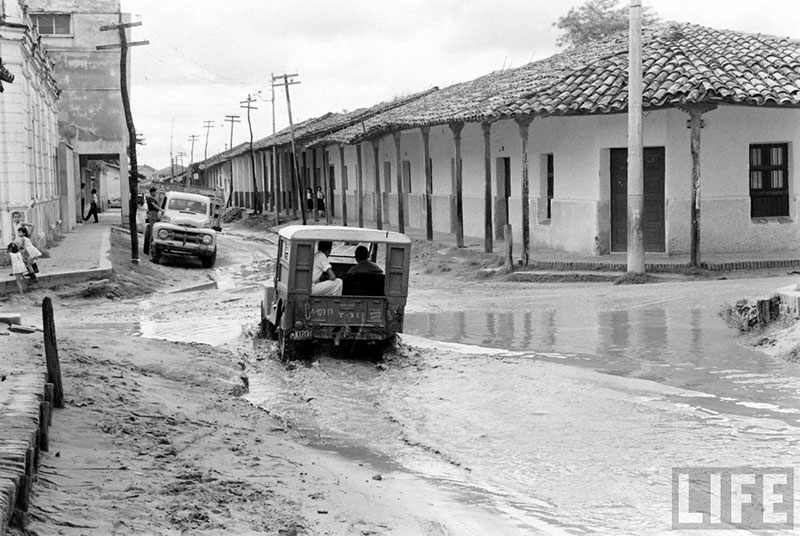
564	421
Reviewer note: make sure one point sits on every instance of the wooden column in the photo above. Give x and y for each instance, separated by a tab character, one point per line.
524	123
360	185
487	201
376	145
426	155
401	220
277	186
456	129
328	188
314	183
695	123
343	173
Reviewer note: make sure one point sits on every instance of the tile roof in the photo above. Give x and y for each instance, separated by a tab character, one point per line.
682	64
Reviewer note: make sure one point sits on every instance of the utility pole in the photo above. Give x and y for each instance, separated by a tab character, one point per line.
298	179
276	180
133	174
636	264
248	104
207	125
193	138
232	119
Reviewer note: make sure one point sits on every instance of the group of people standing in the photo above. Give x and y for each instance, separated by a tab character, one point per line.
23	255
320	195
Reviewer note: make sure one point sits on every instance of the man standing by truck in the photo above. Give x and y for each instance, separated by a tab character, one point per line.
153	215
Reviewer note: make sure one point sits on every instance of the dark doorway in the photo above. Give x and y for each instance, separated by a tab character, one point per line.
653	217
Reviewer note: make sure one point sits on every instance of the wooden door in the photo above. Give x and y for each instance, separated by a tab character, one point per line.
653	216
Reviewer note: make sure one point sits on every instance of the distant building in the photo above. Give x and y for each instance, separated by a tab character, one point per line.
29	188
91	120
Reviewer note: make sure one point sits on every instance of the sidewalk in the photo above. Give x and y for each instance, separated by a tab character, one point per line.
80	255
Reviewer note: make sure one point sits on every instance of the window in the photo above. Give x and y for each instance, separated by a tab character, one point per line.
52	24
769	180
549	183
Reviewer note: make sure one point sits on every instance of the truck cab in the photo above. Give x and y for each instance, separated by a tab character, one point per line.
371	305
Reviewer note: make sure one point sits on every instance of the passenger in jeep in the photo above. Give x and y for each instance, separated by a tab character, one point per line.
332	286
364	266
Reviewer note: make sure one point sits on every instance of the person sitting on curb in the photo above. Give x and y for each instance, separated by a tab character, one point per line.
28	251
18	268
364	266
332	286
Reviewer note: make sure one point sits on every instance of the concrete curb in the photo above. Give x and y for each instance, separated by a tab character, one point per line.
54	279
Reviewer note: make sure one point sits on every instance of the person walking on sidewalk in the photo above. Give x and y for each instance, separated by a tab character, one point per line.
18	268
92	207
153	215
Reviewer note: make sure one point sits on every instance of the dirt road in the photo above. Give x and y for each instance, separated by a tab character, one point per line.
156	440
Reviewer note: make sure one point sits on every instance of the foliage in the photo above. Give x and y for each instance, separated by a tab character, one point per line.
744	315
596	19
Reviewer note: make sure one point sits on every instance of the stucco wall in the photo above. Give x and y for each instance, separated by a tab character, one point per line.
580	146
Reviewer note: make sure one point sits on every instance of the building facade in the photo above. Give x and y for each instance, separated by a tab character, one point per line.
91	119
30	190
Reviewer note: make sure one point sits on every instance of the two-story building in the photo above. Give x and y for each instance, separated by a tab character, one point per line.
30	191
91	120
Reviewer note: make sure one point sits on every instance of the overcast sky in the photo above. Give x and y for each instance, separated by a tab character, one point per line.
204	57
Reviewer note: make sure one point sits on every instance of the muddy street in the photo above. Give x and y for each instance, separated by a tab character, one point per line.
508	408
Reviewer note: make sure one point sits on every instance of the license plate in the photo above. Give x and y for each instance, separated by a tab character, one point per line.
300	334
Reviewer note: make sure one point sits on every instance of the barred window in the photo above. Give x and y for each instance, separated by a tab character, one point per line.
769	180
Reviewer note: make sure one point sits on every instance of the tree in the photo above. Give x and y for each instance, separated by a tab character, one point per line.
594	20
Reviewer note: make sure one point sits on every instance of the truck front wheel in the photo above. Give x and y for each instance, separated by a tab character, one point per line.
155	255
208	262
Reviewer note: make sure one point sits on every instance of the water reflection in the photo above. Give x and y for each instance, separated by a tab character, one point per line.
687	349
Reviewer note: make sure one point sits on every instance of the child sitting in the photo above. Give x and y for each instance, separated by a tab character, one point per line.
18	267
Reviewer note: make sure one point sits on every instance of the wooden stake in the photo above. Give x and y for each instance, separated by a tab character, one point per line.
51	352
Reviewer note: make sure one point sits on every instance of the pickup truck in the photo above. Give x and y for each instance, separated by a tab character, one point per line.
188	227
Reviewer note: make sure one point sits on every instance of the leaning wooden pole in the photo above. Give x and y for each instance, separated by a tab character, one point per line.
133	174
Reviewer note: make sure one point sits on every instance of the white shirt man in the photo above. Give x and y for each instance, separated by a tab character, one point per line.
332	286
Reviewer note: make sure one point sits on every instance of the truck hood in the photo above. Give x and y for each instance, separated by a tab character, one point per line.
187	219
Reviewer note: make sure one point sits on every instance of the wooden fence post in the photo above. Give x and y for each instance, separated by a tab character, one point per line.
51	352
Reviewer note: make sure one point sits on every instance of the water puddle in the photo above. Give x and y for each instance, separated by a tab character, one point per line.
691	350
